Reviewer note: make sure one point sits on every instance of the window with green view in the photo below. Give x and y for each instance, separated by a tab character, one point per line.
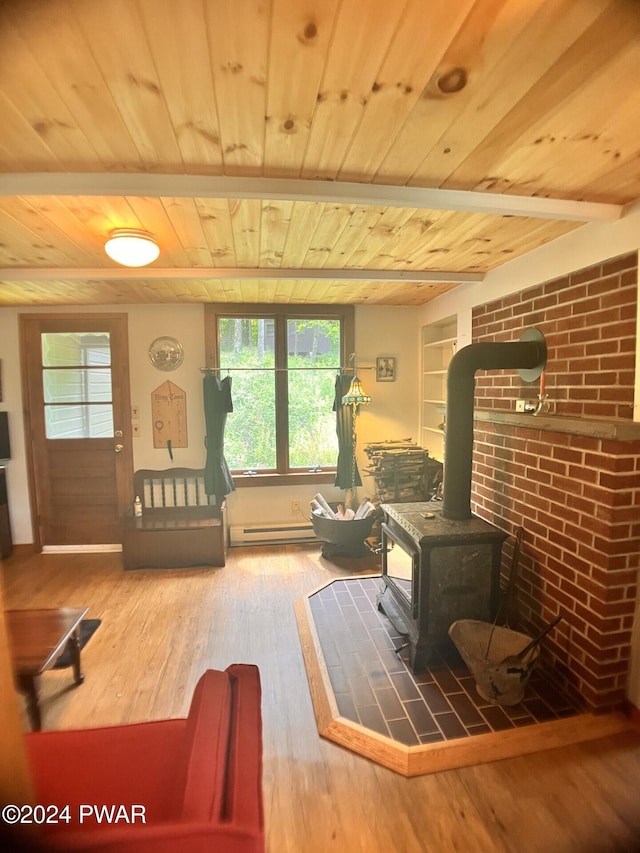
283	371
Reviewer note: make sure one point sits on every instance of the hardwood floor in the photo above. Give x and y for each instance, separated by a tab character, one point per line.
160	629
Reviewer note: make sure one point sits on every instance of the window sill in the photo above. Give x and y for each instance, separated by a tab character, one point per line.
243	481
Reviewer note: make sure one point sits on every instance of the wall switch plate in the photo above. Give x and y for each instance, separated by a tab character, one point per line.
135	413
135	430
520	405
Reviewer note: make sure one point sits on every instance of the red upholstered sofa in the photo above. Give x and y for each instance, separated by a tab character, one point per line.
196	781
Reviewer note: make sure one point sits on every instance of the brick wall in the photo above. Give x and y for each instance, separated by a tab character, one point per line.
577	498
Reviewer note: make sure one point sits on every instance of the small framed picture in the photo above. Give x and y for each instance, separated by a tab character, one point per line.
385	368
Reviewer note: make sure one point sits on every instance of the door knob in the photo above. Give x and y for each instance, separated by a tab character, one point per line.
119	448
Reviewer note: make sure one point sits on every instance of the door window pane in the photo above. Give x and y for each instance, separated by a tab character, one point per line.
77	386
79	421
76	349
76	375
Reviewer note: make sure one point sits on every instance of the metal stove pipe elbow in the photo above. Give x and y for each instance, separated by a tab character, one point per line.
458	453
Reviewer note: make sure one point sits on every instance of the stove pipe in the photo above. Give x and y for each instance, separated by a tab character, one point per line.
458	449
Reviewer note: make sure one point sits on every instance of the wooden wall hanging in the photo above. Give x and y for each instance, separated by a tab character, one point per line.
169	415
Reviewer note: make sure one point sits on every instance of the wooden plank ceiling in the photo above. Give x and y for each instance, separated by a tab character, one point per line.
121	113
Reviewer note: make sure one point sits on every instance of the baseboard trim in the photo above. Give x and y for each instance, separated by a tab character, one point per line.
22	550
633	714
81	549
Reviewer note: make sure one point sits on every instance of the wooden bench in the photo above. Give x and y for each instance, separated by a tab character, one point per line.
178	526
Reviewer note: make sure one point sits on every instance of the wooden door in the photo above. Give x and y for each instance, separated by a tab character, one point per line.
78	426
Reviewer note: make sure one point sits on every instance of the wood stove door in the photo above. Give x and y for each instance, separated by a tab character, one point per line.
401	574
401	567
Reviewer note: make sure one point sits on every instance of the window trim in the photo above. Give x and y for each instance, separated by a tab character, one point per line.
280	314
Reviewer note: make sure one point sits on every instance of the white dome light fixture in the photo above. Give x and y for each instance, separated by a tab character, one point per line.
132	248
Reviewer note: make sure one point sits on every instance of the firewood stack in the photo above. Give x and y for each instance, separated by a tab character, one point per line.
400	469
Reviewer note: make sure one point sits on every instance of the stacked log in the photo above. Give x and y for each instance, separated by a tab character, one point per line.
399	469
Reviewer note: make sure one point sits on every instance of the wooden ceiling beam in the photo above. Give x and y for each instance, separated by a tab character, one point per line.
219	273
283	189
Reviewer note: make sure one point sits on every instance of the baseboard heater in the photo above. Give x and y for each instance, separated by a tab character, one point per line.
271	534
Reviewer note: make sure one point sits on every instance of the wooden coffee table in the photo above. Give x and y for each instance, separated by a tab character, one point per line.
37	638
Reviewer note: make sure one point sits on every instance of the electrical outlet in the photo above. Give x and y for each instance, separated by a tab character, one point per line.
520	405
295	507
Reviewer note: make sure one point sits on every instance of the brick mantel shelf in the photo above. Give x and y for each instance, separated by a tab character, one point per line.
611	430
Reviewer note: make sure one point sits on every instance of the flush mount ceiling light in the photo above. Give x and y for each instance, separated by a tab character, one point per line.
131	248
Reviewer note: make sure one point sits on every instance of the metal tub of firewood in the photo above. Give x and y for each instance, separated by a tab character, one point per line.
344	533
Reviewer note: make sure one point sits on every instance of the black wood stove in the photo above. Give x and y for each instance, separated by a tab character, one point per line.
440	562
435	571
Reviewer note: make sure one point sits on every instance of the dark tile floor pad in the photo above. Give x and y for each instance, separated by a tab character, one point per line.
374	686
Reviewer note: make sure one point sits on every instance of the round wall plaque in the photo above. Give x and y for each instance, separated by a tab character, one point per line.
166	353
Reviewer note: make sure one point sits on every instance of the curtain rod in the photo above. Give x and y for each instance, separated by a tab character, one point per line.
274	369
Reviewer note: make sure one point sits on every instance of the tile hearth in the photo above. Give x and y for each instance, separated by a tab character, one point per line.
374	686
366	697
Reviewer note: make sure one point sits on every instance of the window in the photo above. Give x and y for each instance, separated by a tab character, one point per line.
283	365
76	380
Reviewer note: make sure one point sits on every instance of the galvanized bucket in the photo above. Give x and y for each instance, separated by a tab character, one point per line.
347	533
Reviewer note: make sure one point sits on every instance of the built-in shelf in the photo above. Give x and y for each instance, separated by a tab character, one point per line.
440	341
612	430
438	346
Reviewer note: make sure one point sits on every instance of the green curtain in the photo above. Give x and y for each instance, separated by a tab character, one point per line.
347	474
217	403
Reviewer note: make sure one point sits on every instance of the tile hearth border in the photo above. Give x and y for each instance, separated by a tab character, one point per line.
476	745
